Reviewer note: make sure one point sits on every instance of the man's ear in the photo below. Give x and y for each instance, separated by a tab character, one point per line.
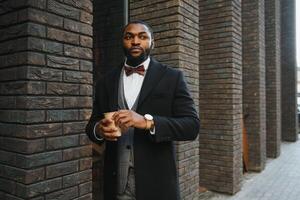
152	44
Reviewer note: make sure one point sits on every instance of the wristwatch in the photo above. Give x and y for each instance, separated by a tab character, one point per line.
149	121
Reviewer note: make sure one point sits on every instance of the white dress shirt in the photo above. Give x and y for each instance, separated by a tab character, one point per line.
132	87
133	84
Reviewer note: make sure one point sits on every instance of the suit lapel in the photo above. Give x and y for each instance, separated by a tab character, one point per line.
154	74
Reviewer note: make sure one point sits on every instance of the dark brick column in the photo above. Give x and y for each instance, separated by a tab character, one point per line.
254	85
176	28
288	71
273	79
45	99
220	95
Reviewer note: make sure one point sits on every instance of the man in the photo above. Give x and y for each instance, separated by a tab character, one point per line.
153	108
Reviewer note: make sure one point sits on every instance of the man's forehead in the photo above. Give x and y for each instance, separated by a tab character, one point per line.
136	28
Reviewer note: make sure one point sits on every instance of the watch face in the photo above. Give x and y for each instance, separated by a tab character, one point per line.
148	117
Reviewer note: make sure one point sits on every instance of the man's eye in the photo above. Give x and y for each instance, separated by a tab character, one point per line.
127	37
143	37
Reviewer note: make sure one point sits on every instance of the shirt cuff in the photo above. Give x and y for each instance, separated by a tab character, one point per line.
152	131
95	135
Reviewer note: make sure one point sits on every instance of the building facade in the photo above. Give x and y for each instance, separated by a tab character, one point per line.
238	58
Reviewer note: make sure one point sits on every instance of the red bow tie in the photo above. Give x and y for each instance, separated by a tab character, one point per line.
130	70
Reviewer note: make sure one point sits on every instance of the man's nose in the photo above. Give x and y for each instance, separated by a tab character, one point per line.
135	40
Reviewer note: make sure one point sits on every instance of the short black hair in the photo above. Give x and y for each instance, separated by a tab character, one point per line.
140	22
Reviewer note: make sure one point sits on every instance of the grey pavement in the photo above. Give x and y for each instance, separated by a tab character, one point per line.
280	180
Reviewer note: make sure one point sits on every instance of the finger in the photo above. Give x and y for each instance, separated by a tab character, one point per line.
106	122
108	129
126	122
117	113
118	116
111	136
121	113
125	126
122	120
129	124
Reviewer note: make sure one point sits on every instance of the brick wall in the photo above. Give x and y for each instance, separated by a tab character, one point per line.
254	96
273	80
288	71
45	99
220	95
175	25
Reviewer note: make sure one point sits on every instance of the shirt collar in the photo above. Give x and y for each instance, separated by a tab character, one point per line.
145	63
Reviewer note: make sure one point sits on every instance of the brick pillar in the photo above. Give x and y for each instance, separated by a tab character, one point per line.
176	31
45	99
273	79
220	95
254	92
288	71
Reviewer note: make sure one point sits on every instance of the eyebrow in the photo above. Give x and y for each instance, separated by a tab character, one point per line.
137	33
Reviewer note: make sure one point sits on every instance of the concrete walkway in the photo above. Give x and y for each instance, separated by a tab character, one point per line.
279	181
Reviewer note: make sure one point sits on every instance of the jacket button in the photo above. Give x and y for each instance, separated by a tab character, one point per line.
128	147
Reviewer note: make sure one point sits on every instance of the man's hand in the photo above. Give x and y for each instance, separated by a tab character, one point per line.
128	118
107	131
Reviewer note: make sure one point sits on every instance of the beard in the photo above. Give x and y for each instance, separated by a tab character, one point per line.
136	61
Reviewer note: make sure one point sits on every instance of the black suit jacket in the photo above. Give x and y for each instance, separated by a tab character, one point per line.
165	96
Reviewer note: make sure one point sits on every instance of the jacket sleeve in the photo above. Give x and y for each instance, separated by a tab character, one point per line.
99	102
184	123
